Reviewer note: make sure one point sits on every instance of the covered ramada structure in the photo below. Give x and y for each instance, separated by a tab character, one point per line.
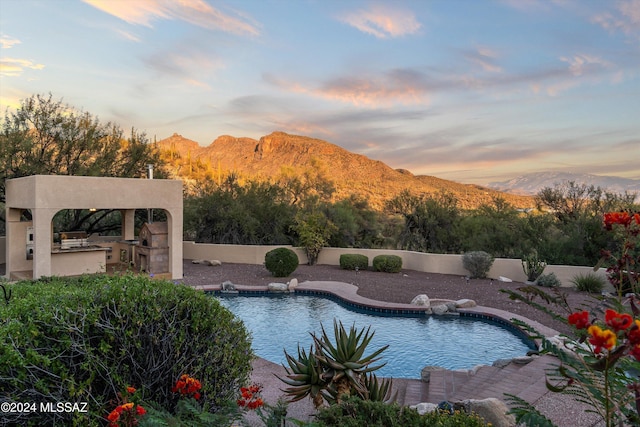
32	252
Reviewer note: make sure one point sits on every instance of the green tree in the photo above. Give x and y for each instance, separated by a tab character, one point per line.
430	223
499	229
46	137
313	229
576	236
357	225
255	214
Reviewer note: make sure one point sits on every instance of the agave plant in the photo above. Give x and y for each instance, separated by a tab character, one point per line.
379	391
330	371
305	376
345	363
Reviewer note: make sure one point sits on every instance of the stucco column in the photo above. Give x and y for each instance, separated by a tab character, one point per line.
42	241
174	228
128	223
14	241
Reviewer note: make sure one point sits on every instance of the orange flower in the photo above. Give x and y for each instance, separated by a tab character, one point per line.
601	338
579	319
131	390
617	321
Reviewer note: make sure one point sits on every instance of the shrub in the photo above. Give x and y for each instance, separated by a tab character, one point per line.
387	263
353	261
355	412
589	282
85	339
281	262
478	263
548	281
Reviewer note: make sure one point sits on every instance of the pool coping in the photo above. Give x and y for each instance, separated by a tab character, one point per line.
348	294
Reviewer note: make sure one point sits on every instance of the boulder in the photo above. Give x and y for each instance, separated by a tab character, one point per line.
439	309
451	306
212	262
425	374
197	261
424	407
465	303
277	287
421	300
293	284
504	279
228	286
492	410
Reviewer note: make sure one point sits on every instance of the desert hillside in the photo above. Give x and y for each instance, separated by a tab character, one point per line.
278	153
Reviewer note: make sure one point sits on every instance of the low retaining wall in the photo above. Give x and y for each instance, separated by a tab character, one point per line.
419	261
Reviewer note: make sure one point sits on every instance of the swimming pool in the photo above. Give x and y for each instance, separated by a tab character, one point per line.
281	322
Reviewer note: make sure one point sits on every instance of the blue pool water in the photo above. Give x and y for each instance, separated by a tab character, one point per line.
281	322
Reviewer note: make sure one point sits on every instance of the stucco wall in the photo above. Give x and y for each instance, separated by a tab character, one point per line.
433	263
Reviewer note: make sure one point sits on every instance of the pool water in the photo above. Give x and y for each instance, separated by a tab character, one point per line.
281	322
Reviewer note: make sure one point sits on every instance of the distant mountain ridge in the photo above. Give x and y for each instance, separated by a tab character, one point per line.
532	183
352	173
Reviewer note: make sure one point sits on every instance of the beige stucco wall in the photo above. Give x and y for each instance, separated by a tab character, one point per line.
433	263
76	263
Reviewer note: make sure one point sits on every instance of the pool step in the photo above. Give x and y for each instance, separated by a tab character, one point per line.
525	381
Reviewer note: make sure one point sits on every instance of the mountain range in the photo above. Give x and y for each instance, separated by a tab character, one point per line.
532	183
280	153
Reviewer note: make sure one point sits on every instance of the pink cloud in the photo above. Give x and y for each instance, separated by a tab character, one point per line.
196	12
383	21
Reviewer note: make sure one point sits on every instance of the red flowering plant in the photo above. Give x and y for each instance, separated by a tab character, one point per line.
128	413
600	366
250	397
622	269
187	386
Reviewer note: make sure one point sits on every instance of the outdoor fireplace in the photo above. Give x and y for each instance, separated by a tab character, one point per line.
152	250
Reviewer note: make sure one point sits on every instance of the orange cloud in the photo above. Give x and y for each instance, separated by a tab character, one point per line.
11	67
391	88
196	12
7	42
383	21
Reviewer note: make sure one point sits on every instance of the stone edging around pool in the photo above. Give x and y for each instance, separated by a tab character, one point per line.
347	293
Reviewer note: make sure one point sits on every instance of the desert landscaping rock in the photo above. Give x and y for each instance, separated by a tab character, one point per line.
465	303
277	287
439	309
421	300
492	410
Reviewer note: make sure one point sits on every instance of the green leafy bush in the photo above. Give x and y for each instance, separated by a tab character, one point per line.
589	282
478	263
353	261
281	262
387	263
85	339
355	412
548	281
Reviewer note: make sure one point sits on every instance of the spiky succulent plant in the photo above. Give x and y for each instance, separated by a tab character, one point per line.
331	370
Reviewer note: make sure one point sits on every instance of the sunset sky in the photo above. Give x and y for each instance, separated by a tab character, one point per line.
468	90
